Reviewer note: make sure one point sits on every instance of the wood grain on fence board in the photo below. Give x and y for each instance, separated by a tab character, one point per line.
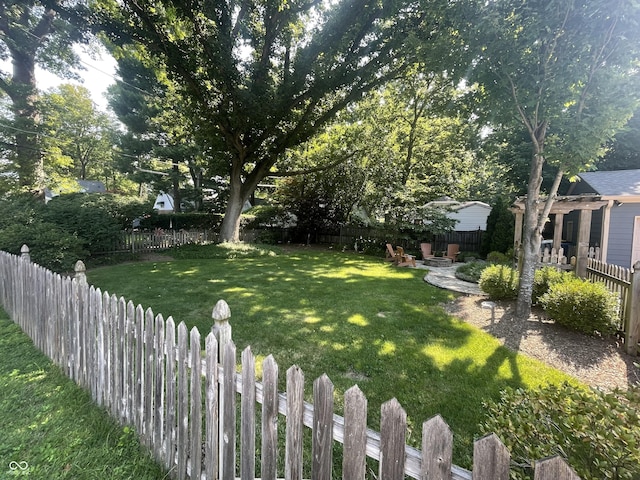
437	449
228	417
355	434
139	362
393	428
148	375
195	419
321	448
170	395
182	400
554	468
160	380
491	459
294	412
269	451
211	413
248	416
128	362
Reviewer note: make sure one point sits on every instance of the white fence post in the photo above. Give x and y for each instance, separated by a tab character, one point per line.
81	272
24	253
222	331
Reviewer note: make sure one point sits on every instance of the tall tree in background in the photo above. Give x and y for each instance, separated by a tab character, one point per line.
264	76
567	71
162	137
79	138
32	34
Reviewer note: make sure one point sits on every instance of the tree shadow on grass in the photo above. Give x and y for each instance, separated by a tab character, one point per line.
590	359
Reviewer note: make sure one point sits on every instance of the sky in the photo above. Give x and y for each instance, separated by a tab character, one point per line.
97	75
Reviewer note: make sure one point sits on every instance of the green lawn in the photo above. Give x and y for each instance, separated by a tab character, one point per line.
50	429
358	319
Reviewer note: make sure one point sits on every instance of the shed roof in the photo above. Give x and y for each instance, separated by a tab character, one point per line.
616	183
455	205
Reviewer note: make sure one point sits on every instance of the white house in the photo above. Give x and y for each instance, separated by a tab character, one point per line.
164	203
469	216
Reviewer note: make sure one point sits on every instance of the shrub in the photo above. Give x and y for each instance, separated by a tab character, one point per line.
597	432
544	278
470	272
468	256
86	217
582	305
500	258
49	246
499	282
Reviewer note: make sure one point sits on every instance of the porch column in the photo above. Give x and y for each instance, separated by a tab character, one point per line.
517	234
557	232
604	233
584	231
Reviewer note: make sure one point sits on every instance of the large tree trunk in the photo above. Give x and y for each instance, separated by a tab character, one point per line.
532	233
230	228
24	94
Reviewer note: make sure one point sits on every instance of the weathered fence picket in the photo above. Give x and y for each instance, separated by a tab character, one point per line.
152	376
625	283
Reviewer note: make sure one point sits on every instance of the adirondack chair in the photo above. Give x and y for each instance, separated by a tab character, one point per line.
404	259
453	249
391	254
398	256
426	251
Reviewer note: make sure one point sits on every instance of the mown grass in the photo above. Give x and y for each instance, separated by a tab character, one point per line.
358	319
50	429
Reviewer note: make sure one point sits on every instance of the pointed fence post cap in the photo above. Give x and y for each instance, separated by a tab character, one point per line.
221	311
24	249
81	271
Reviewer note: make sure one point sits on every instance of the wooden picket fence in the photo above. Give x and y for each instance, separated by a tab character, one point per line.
158	239
625	283
182	402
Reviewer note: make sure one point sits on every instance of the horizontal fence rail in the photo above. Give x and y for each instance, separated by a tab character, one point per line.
154	376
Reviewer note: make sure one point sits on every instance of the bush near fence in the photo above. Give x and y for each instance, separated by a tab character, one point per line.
149	374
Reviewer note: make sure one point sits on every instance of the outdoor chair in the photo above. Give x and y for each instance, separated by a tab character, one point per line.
453	250
425	248
391	254
404	259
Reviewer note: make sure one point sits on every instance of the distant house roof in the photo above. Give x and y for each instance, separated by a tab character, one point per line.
91	186
613	183
454	205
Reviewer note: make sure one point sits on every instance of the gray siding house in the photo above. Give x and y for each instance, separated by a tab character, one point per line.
615	227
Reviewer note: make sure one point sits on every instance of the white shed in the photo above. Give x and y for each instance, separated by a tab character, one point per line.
164	203
469	216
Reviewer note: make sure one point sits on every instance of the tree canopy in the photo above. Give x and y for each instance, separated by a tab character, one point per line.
32	34
567	72
264	76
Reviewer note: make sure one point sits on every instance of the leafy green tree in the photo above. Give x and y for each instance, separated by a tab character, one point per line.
623	153
500	226
565	70
264	77
163	142
32	34
79	138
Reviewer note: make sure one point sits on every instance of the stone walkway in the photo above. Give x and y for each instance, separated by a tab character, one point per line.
444	277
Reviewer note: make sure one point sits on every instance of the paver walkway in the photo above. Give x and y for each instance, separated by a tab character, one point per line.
445	277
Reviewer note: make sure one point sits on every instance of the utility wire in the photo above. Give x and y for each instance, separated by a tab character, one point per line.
117	79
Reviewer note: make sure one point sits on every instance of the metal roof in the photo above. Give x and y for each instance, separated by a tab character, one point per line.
613	183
